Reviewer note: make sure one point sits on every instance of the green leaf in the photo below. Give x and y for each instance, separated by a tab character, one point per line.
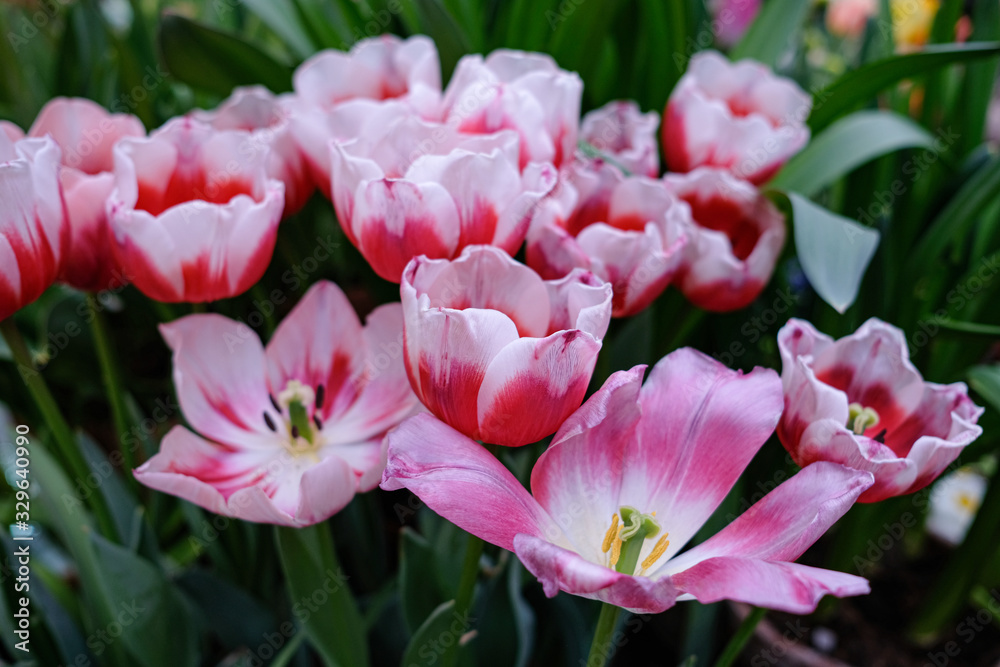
215	61
977	88
985	380
281	17
834	252
962	211
438	24
847	144
439	635
419	593
311	569
772	32
861	85
156	621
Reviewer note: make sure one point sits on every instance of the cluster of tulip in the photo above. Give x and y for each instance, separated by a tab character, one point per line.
438	189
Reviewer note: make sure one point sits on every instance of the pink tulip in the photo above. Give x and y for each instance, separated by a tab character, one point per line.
267	118
34	235
735	240
732	18
622	132
629	479
634	241
859	401
314	129
848	18
378	68
525	92
495	351
341	96
193	213
735	116
425	189
288	433
11	131
87	133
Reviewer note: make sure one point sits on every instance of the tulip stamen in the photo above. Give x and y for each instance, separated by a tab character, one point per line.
625	540
300	401
658	550
270	422
860	418
274	403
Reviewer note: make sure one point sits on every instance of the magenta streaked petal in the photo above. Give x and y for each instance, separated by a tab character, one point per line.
446	469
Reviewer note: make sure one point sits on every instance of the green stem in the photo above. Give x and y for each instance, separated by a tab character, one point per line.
112	384
740	639
197	308
466	588
602	648
65	441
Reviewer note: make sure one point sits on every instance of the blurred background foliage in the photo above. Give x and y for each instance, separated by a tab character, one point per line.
204	590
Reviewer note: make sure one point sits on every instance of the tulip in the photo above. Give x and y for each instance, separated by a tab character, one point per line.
378	68
193	214
735	240
525	92
635	241
734	116
87	133
11	131
848	18
629	479
495	351
288	433
267	118
912	21
425	189
622	132
732	18
859	401
34	235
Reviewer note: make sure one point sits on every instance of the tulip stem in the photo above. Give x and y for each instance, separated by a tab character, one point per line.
66	443
740	639
112	384
602	648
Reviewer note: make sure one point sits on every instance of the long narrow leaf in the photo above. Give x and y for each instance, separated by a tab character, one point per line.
861	85
850	142
772	31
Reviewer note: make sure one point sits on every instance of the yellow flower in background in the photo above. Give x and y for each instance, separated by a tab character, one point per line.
911	22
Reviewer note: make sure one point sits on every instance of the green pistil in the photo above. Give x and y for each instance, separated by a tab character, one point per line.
298	417
860	418
636	528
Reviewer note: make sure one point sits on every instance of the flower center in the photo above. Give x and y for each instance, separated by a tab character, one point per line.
295	403
624	540
860	418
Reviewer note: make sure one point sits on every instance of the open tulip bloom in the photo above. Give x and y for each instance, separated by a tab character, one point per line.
859	401
289	433
628	480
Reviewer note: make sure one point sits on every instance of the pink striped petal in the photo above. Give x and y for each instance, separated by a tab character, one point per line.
320	342
532	385
464	483
789	587
560	569
701	425
221	381
578	478
787	521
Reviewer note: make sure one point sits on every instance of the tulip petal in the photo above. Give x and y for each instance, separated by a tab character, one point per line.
701	425
464	483
320	342
220	376
560	569
787	521
578	478
789	587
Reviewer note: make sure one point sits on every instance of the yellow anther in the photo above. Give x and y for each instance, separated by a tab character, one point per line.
658	550
616	549
611	534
